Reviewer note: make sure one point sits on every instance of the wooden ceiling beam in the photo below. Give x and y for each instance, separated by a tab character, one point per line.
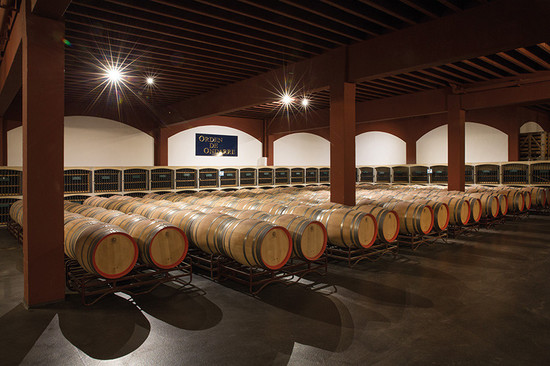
162	65
481	68
450	5
190	53
205	44
404	85
351	23
522	93
417	80
309	75
515	61
276	8
258	38
523	25
467	72
498	65
409	51
266	16
383	84
384	9
533	57
419	8
11	70
53	9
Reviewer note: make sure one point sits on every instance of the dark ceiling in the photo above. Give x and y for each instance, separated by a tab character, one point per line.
192	47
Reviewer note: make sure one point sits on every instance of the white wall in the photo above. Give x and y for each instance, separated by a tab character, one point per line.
92	141
379	148
530	127
181	148
301	149
15	147
483	144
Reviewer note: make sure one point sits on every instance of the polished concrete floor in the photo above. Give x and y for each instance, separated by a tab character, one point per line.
483	299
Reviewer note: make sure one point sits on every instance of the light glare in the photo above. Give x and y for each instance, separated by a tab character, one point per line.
305	102
150	80
114	75
286	99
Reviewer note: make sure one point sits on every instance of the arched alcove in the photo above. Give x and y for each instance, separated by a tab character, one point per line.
379	148
181	148
93	141
301	149
483	144
530	127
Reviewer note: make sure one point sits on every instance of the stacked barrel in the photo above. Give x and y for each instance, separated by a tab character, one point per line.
108	243
100	248
160	243
345	227
249	241
264	228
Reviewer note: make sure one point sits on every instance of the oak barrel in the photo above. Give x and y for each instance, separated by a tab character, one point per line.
388	221
257	243
160	244
206	233
414	218
309	237
100	248
349	228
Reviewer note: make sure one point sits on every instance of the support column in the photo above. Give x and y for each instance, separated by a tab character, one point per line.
270	150
3	142
411	151
161	146
342	143
43	110
267	143
513	144
456	118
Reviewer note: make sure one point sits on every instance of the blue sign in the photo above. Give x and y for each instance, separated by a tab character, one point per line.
215	145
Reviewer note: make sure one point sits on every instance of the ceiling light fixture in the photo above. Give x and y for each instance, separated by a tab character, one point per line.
286	99
114	75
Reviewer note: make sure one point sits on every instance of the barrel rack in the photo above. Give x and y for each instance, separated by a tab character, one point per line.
141	280
458	230
92	288
15	230
219	268
490	222
540	211
416	240
355	255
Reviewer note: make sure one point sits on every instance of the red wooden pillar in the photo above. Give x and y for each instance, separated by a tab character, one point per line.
3	142
43	109
342	143
456	118
513	144
270	149
161	147
267	143
411	151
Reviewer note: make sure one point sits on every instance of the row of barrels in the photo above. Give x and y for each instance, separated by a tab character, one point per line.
355	227
344	227
309	230
251	241
109	243
412	205
160	243
309	237
100	248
